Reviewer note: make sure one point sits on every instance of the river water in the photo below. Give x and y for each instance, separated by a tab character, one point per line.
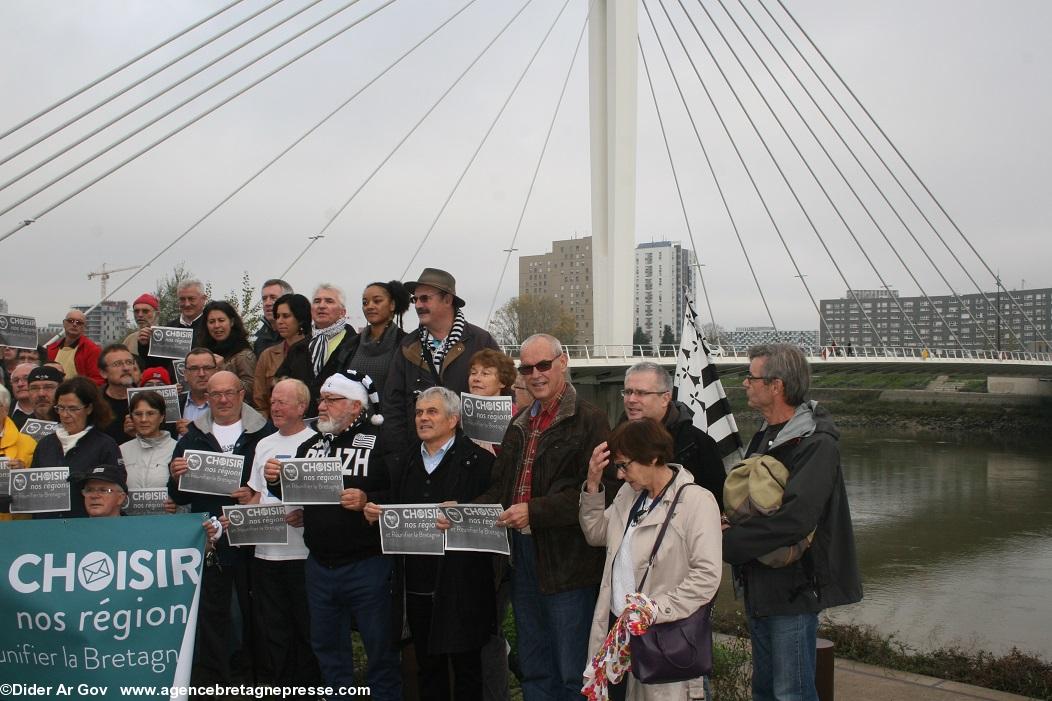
954	539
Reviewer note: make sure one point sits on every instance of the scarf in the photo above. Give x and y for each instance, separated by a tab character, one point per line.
68	440
614	658
320	342
459	322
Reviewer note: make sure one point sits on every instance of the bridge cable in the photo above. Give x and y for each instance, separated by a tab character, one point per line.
118	69
537	166
485	138
416	126
170	110
862	166
679	191
832	162
125	89
241	91
745	167
288	148
916	176
716	181
785	178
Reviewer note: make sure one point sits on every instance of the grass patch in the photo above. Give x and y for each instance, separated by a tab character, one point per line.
872	380
731	678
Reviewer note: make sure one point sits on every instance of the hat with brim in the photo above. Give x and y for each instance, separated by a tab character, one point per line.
440	280
104	473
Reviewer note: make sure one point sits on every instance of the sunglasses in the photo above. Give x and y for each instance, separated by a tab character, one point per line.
543	366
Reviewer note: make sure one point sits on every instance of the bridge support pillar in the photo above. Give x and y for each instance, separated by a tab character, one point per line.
612	104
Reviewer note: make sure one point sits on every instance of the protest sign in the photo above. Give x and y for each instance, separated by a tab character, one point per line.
211	473
18	331
170	395
257	524
145	502
81	605
5	478
40	490
171	342
311	480
37	429
180	373
409	529
474	527
485	418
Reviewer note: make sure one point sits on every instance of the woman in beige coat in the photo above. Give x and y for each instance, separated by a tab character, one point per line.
687	568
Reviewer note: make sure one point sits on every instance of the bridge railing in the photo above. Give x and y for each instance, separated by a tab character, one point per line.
670	352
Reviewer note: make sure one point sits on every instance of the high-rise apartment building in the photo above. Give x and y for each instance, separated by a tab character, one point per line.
664	273
970	322
108	322
565	274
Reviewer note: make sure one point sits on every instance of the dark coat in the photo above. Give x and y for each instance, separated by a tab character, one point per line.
151	361
199	436
814	499
94	449
410	375
464	614
696	450
564	560
299	365
266	337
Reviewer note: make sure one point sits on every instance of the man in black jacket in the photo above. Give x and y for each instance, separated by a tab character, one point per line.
783	603
648	394
449	601
266	335
347	577
227	426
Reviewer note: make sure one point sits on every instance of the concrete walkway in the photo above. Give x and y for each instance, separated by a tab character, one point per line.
855	681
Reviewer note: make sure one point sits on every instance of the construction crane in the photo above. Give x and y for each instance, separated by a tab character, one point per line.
104	275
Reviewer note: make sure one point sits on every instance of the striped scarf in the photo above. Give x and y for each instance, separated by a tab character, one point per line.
320	342
459	322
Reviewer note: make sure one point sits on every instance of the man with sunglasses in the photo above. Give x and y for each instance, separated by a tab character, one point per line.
537	476
436	355
75	352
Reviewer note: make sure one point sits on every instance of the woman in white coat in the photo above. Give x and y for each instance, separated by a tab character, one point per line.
146	456
687	567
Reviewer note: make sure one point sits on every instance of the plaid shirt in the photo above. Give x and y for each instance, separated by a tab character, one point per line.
539	423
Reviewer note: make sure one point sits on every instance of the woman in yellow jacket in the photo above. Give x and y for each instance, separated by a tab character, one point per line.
17	448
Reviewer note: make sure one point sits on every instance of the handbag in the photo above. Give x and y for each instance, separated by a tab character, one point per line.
678	650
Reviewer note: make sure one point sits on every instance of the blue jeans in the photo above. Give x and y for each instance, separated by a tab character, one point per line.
359	591
783	657
552	630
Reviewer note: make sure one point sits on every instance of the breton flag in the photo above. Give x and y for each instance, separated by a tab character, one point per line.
698	386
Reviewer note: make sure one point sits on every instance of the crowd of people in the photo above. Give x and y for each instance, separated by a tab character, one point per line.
599	521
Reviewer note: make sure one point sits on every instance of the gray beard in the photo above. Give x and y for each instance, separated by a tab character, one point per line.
326	426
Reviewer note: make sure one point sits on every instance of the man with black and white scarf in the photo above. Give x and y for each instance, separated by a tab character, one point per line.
437	354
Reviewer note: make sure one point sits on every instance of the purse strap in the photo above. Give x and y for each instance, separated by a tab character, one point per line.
661	534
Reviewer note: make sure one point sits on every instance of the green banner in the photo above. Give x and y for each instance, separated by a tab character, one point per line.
106	602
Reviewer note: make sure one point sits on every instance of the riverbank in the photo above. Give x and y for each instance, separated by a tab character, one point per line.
919	414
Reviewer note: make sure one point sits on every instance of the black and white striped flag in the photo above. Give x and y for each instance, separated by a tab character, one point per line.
698	385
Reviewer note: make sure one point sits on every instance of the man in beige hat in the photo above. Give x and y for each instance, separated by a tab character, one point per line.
437	354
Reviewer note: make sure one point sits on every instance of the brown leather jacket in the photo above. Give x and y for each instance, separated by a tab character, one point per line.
564	560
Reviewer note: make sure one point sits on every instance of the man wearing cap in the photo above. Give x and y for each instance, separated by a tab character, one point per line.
155	377
120	371
22	403
437	354
266	335
104	490
75	352
144	308
347	577
227	426
43	381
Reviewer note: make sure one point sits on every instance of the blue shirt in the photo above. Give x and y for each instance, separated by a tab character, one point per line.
431	462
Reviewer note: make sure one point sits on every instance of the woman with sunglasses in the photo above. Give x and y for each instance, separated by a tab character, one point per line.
146	456
685	572
77	443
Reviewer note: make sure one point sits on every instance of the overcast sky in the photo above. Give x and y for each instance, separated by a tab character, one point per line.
960	86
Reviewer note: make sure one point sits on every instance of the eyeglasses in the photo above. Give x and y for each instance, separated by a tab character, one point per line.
754	378
199	368
543	366
626	393
129	363
73	322
622	466
331	400
145	414
229	394
68	409
98	490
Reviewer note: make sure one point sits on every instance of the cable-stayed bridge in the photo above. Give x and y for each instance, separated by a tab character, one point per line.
774	166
